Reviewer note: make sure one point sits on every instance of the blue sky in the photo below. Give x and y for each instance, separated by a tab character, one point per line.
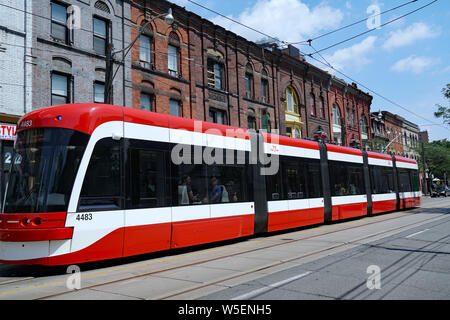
407	61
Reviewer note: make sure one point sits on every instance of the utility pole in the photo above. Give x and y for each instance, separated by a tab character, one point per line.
109	73
424	182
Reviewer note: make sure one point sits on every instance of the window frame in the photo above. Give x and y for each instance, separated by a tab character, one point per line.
322	107
144	63
173	73
214	112
121	194
291	95
151	99
96	36
215	74
68	87
53	21
179	112
312	104
99	83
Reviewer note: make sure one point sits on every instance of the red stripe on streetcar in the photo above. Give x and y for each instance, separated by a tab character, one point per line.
340	149
288	141
26	235
383	206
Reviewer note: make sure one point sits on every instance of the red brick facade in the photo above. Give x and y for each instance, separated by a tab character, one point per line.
222	76
354	110
394	131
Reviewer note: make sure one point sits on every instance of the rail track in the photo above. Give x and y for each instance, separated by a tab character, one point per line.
265	241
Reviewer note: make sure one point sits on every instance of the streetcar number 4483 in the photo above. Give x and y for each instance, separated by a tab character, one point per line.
84	216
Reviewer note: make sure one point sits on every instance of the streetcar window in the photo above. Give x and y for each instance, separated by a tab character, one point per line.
293	178
381	179
228	183
101	186
314	179
297	178
43	169
147	177
346	179
274	184
414	180
404	179
191	184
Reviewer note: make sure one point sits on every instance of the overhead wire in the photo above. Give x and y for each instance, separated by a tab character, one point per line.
376	28
351	24
326	63
329	65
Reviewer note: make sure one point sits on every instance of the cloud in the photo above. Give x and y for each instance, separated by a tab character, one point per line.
413	33
414	64
289	20
354	56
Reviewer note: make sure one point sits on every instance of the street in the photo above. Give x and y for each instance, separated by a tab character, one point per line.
399	255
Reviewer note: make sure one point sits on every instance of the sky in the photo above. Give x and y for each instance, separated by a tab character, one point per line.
407	61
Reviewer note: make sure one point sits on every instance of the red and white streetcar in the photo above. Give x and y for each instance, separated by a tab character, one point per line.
93	182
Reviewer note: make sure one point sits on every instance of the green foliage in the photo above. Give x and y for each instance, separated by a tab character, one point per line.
437	157
444	112
378	144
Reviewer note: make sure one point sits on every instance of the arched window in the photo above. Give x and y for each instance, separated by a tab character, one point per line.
312	104
337	128
216	74
249	81
100	5
363	125
145	46
336	115
322	107
291	100
264	86
173	54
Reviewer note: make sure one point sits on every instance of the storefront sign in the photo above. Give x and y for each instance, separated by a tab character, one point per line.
7	131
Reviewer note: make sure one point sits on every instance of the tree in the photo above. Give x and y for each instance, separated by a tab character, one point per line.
444	112
437	155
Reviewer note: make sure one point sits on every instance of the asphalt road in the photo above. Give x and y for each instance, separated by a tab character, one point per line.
412	265
399	255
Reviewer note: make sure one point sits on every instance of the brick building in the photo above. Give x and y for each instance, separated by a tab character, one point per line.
410	139
192	68
196	69
379	138
350	114
394	131
69	59
309	85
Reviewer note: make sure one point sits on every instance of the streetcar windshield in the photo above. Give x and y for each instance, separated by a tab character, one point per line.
43	171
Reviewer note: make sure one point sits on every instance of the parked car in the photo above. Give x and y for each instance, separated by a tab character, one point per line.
440	191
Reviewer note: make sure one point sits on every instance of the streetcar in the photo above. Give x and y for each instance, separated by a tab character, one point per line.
95	182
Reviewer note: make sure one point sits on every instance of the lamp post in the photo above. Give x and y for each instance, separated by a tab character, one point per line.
395	138
109	75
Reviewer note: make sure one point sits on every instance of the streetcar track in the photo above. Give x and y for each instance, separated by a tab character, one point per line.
286	261
252	250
